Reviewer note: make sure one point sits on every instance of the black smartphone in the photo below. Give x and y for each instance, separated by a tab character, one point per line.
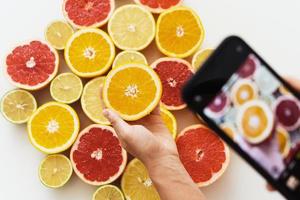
253	109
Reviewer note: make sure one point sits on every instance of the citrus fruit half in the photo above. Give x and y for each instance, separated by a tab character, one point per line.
88	13
57	34
284	141
129	57
17	106
131	27
91	101
158	6
66	88
136	183
97	155
229	129
204	155
248	67
108	192
200	57
173	73
242	91
219	105
255	121
32	66
89	52
287	111
169	120
179	32
53	127
55	170
132	90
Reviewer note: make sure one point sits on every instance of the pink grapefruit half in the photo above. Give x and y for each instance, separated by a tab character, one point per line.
204	155
97	156
158	6
32	65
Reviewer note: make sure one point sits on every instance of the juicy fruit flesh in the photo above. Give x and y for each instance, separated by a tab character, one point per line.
108	192
98	155
31	64
202	153
248	68
219	103
170	121
156	4
58	33
87	12
243	92
129	57
283	140
136	183
173	76
288	112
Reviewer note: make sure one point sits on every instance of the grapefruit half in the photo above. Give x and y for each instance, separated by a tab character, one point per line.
204	155
88	13
173	73
97	156
32	66
158	6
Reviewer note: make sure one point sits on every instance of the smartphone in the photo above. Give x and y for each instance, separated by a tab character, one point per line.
253	109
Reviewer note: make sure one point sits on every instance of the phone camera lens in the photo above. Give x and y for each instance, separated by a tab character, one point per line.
239	49
197	98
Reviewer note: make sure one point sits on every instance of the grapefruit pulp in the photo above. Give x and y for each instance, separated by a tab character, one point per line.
158	6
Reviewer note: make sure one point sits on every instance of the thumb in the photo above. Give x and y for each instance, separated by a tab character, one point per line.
120	126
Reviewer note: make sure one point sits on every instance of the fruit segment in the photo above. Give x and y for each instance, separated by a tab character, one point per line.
108	192
158	6
170	121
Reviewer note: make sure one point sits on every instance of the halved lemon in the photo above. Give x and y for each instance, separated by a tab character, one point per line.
129	57
255	121
57	34
200	57
132	27
132	90
179	32
89	52
108	192
55	170
53	127
91	102
284	141
66	88
169	120
136	183
242	91
17	106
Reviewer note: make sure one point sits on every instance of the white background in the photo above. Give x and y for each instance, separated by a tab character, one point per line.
270	26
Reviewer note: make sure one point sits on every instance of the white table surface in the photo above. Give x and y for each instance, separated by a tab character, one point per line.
270	26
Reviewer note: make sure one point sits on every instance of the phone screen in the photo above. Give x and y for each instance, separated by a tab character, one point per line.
261	116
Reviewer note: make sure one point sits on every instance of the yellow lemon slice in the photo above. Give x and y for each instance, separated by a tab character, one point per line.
66	88
200	57
284	141
17	106
132	27
53	127
89	52
255	121
132	90
108	192
55	170
57	34
129	57
136	183
91	101
179	32
169	120
242	91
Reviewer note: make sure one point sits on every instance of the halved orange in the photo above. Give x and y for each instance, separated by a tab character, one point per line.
179	32
242	91
132	91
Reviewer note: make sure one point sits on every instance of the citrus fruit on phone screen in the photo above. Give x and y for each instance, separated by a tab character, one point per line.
55	170
97	156
58	33
91	100
218	106
255	121
266	81
133	91
89	52
173	73
32	66
169	120
179	32
200	57
129	57
66	88
17	106
229	129
88	13
53	127
131	27
204	155
158	6
248	68
242	91
108	192
284	141
287	111
136	183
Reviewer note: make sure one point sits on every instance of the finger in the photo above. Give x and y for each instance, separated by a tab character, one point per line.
156	110
120	126
294	82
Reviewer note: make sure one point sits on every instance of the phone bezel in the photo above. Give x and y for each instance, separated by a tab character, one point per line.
189	92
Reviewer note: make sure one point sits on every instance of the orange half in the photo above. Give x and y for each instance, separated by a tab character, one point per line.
243	91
